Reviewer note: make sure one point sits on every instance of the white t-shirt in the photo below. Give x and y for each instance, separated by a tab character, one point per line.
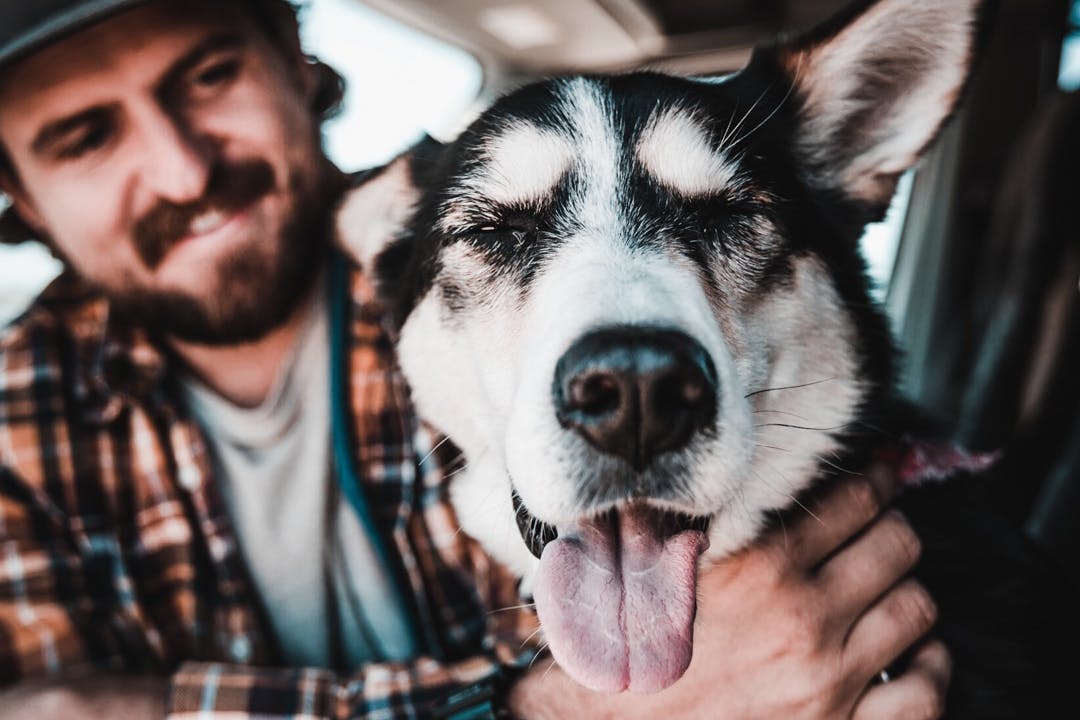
328	599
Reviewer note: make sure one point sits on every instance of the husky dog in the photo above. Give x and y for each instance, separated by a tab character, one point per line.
636	304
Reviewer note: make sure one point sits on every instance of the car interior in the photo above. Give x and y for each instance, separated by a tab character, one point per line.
978	263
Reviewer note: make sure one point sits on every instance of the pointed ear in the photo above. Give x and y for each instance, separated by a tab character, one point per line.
875	89
376	214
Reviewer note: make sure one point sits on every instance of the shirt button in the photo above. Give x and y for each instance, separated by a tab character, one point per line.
240	649
190	478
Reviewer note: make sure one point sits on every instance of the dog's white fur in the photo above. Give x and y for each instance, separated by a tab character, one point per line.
678	154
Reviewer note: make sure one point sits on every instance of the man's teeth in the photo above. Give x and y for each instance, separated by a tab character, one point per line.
208	222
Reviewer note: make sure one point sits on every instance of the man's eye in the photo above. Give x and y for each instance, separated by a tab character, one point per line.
89	140
218	74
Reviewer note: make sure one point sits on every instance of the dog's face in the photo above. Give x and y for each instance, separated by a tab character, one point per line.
636	304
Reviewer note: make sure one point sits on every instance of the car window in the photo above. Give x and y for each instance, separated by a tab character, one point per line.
1069	77
881	241
402	83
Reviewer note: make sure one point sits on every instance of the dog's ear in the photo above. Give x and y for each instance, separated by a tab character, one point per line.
375	215
875	87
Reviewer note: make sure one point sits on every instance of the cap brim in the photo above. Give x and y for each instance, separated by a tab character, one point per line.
64	22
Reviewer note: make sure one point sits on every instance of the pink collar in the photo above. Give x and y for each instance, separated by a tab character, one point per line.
917	462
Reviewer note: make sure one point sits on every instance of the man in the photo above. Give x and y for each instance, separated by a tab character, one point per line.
178	534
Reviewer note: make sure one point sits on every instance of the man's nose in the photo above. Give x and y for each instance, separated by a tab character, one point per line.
176	162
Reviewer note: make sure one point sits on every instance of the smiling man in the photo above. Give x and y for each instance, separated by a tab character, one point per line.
214	495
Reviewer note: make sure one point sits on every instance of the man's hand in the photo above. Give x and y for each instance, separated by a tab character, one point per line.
796	627
86	697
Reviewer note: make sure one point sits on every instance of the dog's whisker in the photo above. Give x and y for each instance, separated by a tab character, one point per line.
804	427
512	607
783	527
539	652
468	463
533	634
783	101
834	466
550	665
738	126
782	412
727	129
768	117
435	449
788	387
788	495
771	447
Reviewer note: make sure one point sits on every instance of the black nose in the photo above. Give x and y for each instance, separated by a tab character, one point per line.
636	393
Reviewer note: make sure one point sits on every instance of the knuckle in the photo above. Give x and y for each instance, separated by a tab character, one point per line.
917	609
865	499
906	544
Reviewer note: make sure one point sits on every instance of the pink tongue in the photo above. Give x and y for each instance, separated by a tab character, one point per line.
617	601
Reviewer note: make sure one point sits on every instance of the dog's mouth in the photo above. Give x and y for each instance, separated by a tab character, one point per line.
616	593
538	534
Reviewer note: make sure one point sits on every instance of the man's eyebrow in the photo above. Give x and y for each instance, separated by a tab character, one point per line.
56	129
218	42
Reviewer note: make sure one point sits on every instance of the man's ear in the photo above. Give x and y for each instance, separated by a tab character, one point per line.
875	89
376	214
21	221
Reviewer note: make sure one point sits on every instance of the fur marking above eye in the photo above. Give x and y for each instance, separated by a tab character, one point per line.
523	165
675	150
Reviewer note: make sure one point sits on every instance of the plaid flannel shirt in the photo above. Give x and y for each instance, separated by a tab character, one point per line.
117	554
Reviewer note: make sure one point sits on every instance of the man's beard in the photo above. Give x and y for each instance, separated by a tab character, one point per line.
256	292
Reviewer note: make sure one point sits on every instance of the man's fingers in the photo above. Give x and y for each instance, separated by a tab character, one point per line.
871	564
918	694
890	627
844	511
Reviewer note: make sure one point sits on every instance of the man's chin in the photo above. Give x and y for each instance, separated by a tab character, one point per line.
243	298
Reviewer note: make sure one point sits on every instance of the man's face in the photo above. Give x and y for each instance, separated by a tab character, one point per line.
171	156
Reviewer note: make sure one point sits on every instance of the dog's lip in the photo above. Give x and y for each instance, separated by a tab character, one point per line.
538	534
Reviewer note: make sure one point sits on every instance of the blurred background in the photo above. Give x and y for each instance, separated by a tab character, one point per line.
978	262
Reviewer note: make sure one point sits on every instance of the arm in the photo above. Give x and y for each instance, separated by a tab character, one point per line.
86	696
54	651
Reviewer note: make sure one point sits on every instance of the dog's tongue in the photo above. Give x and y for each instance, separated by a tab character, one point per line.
617	601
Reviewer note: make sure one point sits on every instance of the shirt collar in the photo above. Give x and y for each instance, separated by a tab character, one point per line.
116	363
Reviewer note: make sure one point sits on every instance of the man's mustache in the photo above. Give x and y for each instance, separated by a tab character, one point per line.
231	188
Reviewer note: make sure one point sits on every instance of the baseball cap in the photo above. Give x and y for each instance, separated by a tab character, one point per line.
27	25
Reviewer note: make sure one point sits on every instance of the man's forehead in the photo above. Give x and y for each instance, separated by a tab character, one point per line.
137	42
